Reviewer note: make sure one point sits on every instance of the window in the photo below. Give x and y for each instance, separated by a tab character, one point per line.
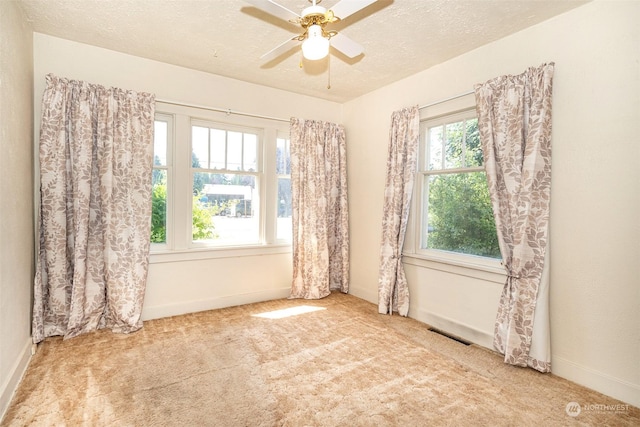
226	177
456	214
220	188
283	171
160	178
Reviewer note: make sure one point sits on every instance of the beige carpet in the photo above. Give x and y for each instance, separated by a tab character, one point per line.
343	365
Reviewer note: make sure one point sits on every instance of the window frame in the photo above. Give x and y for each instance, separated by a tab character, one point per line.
259	175
179	245
413	247
169	119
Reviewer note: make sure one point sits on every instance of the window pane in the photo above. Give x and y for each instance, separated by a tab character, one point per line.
458	215
234	151
454	145
435	148
218	148
250	155
284	228
473	155
159	182
225	211
159	206
160	143
283	159
199	147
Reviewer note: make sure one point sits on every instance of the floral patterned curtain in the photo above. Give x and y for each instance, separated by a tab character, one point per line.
320	211
514	119
393	292
96	152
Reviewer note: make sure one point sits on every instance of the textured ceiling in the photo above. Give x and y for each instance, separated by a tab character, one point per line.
227	37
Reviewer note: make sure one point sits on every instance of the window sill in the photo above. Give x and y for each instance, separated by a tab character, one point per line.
194	254
483	269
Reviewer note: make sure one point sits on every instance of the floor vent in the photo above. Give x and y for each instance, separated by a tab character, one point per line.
451	337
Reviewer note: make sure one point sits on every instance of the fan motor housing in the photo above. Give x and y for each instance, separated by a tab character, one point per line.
313	15
314	10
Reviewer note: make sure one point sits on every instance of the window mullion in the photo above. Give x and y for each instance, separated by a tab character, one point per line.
454	170
226	149
182	184
269	185
443	147
242	153
463	161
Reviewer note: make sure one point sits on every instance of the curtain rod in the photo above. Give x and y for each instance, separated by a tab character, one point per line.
227	111
447	99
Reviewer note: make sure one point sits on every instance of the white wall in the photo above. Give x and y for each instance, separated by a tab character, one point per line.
595	228
16	200
176	285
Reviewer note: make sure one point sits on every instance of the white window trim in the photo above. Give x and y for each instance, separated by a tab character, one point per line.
274	186
218	252
468	265
169	119
179	246
259	175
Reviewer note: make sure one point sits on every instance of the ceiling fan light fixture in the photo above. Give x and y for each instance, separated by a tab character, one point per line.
315	46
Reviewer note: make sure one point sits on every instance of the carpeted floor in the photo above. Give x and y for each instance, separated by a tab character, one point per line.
340	365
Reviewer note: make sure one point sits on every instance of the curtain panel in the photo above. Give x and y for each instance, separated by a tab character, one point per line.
393	292
514	120
320	211
96	152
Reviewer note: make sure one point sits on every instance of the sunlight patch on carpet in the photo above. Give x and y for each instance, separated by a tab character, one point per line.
287	312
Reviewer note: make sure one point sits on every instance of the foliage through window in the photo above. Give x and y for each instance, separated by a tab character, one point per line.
456	209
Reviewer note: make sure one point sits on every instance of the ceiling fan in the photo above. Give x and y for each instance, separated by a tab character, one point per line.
315	38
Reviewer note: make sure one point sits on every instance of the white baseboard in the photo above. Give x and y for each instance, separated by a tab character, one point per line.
595	380
364	294
587	377
439	322
8	388
456	328
157	312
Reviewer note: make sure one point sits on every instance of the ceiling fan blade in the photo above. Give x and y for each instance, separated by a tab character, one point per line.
280	49
274	9
344	8
345	45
